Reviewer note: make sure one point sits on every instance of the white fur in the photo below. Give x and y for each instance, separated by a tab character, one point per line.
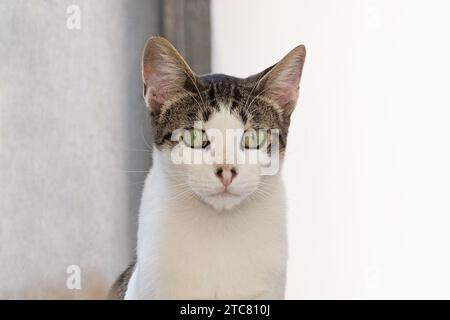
192	246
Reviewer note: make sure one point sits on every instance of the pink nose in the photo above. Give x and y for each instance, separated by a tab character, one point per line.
226	174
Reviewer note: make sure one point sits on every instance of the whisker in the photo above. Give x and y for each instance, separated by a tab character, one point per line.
179	194
140	150
143	137
259	94
251	91
196	87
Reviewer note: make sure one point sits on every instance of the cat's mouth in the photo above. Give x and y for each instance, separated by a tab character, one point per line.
224	199
224	193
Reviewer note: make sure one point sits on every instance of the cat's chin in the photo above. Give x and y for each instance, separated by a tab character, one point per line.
223	200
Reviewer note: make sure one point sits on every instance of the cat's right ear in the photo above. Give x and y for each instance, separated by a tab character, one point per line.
165	73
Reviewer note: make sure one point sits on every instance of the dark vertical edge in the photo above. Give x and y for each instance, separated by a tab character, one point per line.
187	24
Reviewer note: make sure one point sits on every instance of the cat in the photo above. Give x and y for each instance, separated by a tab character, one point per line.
212	230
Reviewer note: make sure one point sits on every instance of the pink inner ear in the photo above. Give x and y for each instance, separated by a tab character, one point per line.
155	88
156	95
284	85
284	95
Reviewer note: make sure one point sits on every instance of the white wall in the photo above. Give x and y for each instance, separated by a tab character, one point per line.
367	168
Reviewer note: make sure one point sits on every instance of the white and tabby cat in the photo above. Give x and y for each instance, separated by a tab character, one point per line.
212	231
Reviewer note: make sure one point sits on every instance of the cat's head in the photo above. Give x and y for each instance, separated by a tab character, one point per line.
217	135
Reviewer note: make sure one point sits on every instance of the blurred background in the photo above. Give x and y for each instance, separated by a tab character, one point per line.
367	167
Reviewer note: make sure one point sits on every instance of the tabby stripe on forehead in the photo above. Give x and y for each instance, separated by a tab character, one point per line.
243	116
206	114
212	95
235	96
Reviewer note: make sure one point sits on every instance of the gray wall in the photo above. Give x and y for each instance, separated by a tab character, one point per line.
71	123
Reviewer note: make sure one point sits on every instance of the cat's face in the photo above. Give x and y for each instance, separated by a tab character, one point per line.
218	136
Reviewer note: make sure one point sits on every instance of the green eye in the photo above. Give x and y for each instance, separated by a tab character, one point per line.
195	138
253	139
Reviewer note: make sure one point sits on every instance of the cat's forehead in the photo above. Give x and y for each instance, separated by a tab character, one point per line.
224	119
220	78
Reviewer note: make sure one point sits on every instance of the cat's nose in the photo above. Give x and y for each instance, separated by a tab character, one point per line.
226	174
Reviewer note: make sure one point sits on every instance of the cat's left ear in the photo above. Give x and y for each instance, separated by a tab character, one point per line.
280	83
